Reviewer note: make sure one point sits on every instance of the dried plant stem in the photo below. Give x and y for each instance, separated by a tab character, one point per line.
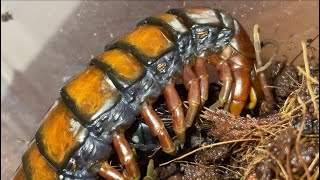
268	105
274	54
316	159
293	79
192	163
288	104
313	80
228	169
315	175
299	107
297	144
305	58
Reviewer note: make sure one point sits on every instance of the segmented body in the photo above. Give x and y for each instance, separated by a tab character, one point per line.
77	131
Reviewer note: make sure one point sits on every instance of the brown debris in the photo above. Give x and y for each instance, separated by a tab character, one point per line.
165	172
6	16
212	155
280	159
229	127
285	82
194	172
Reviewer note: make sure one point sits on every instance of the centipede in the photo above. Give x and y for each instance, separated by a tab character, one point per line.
98	105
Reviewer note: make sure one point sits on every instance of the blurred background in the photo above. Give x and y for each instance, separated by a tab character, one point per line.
44	43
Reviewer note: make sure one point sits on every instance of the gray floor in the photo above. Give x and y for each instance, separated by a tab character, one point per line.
49	42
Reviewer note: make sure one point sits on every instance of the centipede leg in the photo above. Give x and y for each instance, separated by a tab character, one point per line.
227	104
201	71
158	129
174	104
226	78
150	171
253	99
191	83
126	156
108	172
242	84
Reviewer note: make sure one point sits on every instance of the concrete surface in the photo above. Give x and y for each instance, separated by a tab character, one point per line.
48	42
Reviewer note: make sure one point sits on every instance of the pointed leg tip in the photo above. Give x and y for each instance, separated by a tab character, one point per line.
216	105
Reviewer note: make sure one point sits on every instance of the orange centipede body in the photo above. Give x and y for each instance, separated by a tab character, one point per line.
100	103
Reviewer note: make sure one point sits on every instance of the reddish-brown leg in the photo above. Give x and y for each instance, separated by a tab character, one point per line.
191	83
157	128
227	104
201	71
110	173
242	85
174	104
126	156
225	77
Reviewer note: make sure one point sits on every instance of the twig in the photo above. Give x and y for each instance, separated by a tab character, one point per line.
186	163
314	162
307	102
235	167
228	169
315	175
315	81
290	101
156	150
305	58
268	105
297	145
292	79
275	53
311	135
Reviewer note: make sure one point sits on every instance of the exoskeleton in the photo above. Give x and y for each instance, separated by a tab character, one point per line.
99	104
